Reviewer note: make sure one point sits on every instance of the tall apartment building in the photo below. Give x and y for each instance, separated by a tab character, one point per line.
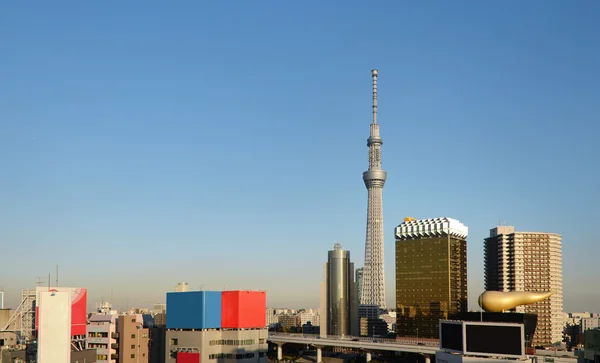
339	312
101	336
528	261
431	274
133	339
215	326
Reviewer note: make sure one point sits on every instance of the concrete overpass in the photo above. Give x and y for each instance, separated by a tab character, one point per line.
423	346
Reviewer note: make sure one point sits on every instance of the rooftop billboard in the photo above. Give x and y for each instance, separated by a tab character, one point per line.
78	307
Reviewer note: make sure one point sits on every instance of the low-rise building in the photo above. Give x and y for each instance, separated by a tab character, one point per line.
29	355
589	323
287	321
205	326
373	327
591	351
368	311
390	319
249	345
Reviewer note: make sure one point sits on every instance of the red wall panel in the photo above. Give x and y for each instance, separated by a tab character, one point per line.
243	309
79	312
187	357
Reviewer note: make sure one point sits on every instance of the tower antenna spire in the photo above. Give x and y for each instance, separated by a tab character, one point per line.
374	74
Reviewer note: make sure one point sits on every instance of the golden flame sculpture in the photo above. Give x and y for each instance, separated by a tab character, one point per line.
497	301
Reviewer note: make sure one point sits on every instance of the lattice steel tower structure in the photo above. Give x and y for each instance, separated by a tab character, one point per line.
373	281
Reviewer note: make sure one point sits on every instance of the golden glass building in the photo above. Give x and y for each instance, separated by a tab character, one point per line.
431	274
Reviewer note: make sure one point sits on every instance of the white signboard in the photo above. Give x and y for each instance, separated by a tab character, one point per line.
54	330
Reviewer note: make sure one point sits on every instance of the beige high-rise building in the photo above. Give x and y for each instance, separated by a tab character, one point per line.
182	287
528	261
133	339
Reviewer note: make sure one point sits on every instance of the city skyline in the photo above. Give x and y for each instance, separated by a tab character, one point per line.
182	138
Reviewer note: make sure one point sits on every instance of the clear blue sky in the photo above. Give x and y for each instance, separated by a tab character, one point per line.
222	143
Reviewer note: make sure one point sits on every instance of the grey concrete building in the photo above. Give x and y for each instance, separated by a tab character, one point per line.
249	345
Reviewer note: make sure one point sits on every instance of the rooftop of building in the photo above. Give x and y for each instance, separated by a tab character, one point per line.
508	230
422	228
102	318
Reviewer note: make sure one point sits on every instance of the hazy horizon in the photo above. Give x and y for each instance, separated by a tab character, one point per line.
147	144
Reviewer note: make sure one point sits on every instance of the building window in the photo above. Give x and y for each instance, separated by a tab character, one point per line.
174	341
132	336
132	346
133	356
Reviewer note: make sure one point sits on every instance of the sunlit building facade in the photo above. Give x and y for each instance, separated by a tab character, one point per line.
431	274
528	261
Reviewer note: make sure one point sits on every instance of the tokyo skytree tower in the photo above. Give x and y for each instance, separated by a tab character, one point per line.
373	282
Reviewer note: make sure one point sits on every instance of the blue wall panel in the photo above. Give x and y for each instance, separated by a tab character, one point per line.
194	310
212	309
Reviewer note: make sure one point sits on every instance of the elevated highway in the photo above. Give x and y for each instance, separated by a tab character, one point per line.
426	347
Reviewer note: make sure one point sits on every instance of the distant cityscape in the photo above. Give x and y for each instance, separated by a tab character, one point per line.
431	319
